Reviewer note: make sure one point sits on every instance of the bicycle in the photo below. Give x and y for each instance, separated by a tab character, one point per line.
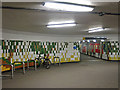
46	62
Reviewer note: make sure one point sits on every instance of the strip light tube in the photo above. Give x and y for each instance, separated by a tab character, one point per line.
61	25
98	29
94	40
68	7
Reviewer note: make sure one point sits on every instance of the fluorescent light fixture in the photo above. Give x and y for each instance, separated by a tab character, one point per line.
102	40
53	22
83	40
95	28
86	2
103	37
98	29
61	25
94	40
68	7
88	40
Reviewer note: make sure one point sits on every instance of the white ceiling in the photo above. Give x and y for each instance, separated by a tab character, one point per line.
36	21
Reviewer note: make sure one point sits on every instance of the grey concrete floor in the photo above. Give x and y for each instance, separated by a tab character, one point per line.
91	73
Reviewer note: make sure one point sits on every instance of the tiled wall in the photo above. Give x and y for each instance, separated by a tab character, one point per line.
112	49
13	50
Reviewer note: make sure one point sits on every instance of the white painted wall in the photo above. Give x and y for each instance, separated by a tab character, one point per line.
17	35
